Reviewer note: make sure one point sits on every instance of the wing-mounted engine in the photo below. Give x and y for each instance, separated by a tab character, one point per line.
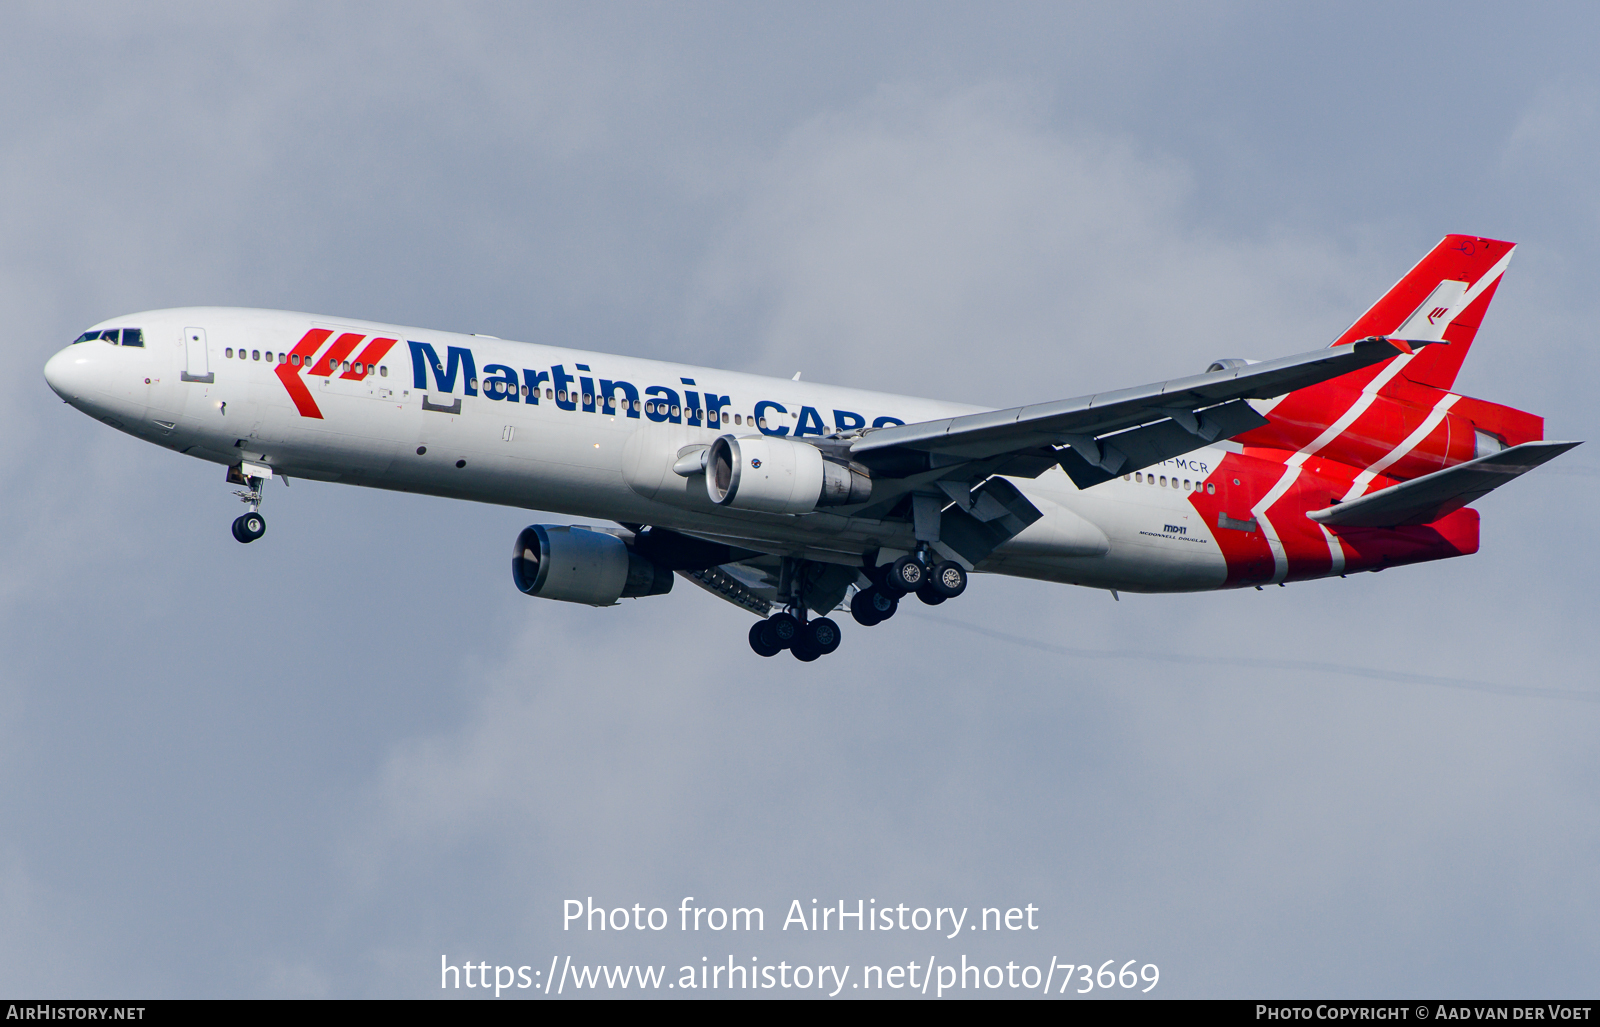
576	564
780	475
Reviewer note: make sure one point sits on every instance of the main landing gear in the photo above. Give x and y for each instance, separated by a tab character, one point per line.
249	526
792	628
808	639
932	583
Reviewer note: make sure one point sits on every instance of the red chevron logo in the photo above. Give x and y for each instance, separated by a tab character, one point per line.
304	358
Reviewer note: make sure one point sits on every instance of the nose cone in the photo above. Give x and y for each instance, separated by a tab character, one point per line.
68	373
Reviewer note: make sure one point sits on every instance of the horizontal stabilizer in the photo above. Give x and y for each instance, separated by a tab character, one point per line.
1426	499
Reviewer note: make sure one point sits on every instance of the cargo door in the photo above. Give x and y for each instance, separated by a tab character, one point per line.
197	363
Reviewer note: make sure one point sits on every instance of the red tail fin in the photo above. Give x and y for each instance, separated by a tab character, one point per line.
1443	298
1399	418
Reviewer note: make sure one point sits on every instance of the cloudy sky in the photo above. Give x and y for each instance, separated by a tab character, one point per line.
311	766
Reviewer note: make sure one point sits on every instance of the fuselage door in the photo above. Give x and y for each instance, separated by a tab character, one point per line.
197	365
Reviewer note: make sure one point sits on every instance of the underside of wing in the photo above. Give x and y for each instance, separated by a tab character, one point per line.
725	583
757	583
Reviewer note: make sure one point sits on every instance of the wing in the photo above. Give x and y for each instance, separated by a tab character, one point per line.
1428	498
1095	438
943	476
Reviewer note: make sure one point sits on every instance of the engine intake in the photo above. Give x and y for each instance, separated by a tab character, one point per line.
779	475
579	565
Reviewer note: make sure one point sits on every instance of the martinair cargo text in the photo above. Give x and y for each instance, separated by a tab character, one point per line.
791	499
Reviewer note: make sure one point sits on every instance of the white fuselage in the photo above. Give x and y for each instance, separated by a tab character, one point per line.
526	425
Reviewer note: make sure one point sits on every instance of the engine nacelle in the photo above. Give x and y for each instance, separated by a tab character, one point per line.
577	565
779	475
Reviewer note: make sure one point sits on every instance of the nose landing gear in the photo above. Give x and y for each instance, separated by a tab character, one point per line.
250	525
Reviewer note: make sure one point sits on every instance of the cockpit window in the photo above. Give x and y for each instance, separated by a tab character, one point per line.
124	336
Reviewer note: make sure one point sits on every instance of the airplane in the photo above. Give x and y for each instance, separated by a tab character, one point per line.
792	500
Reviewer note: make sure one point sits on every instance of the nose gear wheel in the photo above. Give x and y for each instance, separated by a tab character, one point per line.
249	527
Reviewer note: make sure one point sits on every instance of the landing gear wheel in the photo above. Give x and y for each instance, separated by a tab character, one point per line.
804	651
761	639
823	635
873	606
949	579
928	594
249	527
784	628
906	575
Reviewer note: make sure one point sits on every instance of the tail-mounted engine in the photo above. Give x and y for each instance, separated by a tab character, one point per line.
778	475
578	565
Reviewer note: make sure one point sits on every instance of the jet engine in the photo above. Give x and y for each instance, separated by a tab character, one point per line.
779	475
580	565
